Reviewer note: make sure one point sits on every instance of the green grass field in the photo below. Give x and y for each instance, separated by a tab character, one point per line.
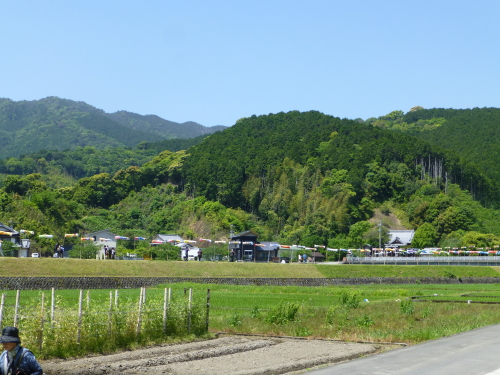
136	268
375	313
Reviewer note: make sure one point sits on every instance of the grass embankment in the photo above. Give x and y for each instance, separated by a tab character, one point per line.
139	268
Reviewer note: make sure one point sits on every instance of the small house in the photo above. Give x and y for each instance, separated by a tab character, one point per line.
243	244
103	238
21	246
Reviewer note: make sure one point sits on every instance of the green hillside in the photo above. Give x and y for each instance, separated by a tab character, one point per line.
162	128
471	133
59	124
298	178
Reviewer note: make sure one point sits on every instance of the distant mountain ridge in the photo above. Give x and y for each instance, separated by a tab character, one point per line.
53	123
163	128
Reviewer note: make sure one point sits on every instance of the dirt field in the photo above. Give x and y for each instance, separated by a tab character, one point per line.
231	355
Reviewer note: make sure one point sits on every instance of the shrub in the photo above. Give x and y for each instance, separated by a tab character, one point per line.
350	300
282	313
407	307
365	321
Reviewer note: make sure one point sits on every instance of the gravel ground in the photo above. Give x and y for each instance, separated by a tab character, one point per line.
229	355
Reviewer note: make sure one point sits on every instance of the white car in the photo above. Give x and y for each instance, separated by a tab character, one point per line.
35	255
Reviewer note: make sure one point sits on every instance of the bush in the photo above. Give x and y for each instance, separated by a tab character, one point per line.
84	251
350	300
407	307
282	313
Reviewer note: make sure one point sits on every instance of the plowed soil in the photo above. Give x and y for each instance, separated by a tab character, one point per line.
231	355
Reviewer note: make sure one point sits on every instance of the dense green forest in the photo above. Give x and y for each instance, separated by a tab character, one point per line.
298	178
64	168
471	133
60	124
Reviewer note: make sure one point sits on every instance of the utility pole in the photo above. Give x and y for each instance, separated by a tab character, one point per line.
380	235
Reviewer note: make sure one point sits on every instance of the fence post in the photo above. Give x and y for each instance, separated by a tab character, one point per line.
208	308
166	305
138	330
2	304
16	311
80	314
116	298
42	320
53	306
190	302
88	299
110	313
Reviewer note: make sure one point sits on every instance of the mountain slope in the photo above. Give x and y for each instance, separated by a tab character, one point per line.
223	163
471	133
163	128
57	124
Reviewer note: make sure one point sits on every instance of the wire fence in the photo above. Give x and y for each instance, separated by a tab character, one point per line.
58	325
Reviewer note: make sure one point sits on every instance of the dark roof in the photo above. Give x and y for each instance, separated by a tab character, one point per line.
316	254
5	228
247	233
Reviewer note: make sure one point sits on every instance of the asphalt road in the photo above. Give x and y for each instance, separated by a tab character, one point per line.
475	352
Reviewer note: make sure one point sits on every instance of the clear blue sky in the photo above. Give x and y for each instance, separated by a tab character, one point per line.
214	62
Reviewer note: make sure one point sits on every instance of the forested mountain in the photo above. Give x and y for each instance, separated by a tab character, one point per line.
472	134
58	124
64	168
299	178
163	128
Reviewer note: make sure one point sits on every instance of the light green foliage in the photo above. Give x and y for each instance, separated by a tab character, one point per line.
105	327
365	321
407	307
282	313
84	251
425	236
349	300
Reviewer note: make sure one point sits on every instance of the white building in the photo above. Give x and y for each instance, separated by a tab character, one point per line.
102	238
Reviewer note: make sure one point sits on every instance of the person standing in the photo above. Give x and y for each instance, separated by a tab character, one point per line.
200	253
15	359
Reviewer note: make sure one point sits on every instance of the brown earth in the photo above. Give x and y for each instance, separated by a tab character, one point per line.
228	355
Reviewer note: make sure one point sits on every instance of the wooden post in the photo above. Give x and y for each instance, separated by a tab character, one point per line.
110	313
53	306
2	304
166	306
138	329
190	302
116	298
16	311
80	314
208	309
88	299
42	320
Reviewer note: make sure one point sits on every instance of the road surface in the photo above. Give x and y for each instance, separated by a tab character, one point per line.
475	352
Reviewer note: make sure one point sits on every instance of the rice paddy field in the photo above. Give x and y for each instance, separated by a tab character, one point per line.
404	313
369	313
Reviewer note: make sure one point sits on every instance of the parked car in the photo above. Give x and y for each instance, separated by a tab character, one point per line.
35	255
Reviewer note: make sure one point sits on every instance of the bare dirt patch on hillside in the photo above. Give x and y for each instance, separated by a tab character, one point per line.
229	355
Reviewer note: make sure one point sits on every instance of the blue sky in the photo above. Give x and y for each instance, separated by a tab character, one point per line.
214	62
